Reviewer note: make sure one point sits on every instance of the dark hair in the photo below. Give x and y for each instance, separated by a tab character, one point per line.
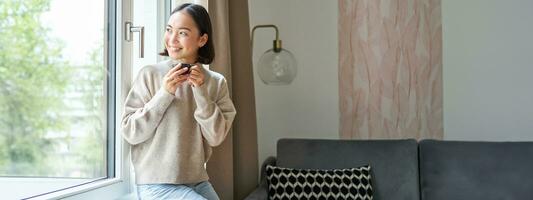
206	53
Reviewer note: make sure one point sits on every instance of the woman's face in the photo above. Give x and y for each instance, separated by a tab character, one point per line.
182	38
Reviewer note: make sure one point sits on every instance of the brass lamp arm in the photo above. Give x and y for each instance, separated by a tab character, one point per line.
277	42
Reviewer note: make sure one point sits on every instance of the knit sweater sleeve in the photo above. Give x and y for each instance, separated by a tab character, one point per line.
144	108
215	112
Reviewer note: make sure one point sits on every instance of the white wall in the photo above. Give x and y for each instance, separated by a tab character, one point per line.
488	69
309	107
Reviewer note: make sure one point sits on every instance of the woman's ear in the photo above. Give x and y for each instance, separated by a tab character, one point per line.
203	40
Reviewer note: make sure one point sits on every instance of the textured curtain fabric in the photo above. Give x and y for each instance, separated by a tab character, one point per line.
220	166
245	124
233	166
390	69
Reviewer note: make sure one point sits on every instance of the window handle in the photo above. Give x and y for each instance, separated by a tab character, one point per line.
129	32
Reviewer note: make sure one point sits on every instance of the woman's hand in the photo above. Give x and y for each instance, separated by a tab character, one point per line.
196	78
174	78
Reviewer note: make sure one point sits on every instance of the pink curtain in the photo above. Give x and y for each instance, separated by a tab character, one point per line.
390	69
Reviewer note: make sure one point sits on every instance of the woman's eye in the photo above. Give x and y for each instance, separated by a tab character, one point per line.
183	33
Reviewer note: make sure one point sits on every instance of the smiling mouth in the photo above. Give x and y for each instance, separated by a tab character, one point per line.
174	49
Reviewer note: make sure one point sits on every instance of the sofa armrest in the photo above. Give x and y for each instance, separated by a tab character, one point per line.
271	160
261	192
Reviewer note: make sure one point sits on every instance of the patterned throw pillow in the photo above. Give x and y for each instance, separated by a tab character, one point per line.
288	183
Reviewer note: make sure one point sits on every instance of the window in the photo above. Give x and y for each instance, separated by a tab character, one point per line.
57	96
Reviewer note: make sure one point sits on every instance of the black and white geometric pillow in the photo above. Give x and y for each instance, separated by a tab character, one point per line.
288	183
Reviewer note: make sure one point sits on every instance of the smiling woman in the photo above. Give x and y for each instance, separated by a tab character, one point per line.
54	94
172	117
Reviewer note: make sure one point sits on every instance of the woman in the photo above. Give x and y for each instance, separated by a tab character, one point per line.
175	113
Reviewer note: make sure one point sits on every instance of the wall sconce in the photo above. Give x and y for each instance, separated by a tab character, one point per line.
277	66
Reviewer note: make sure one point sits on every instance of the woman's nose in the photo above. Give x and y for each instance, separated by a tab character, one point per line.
174	38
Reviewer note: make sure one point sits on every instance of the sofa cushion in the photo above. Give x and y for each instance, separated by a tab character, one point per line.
290	183
476	170
394	162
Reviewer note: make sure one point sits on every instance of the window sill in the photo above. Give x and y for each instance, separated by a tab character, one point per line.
110	188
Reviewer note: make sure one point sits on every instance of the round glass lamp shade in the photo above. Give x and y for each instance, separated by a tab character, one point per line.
277	68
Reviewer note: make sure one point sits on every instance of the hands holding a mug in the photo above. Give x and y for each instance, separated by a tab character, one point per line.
193	73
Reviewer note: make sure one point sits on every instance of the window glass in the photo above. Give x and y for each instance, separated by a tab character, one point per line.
53	95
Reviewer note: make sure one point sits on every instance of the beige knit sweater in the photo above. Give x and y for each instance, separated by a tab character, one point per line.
171	135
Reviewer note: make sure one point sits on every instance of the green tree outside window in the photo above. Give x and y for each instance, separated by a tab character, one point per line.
34	80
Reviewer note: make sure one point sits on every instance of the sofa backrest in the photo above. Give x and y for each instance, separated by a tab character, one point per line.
476	170
394	162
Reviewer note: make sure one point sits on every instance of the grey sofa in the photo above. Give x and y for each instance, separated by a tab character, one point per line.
411	170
